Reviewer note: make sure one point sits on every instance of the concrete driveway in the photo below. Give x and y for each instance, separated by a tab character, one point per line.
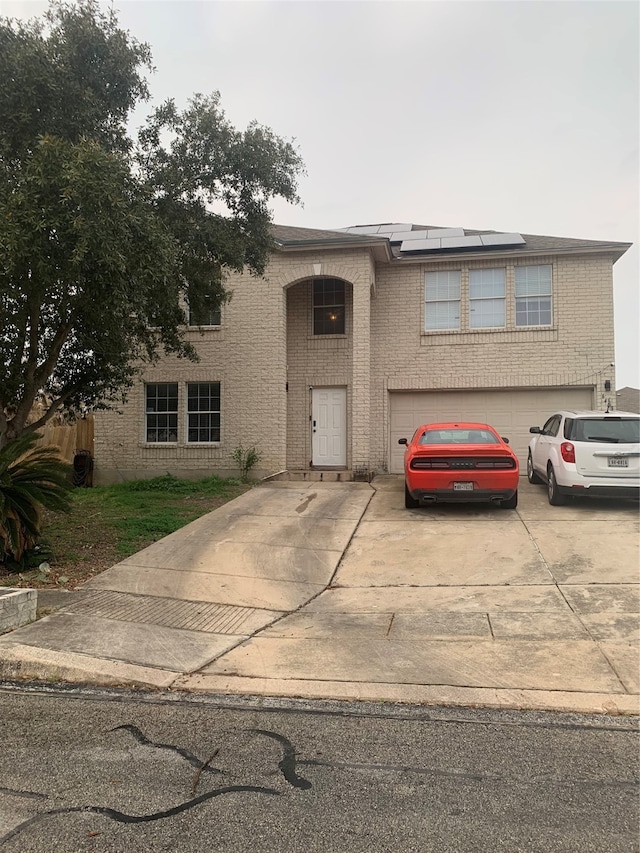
338	591
461	604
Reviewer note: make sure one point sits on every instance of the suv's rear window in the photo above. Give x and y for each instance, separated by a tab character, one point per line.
614	430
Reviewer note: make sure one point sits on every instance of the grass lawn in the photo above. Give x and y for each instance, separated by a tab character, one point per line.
108	523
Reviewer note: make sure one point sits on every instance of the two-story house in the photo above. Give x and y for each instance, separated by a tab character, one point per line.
354	337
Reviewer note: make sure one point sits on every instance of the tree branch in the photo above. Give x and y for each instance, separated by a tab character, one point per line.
52	408
39	375
47	367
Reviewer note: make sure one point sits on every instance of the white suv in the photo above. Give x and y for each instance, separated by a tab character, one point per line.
586	453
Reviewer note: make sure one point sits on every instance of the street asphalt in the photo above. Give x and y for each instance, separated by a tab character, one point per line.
335	590
104	770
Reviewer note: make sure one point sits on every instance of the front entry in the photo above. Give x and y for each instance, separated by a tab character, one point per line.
329	427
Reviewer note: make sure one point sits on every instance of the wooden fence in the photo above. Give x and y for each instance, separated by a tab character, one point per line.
69	438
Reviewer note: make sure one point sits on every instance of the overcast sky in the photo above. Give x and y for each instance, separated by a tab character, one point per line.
513	116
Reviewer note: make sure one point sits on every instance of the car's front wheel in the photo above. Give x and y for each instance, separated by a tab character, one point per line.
556	498
532	477
510	503
409	501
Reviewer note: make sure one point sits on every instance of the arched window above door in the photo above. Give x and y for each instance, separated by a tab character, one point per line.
328	306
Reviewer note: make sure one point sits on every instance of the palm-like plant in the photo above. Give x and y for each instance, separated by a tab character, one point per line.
31	478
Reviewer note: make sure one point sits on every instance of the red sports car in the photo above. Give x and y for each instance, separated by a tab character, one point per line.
458	463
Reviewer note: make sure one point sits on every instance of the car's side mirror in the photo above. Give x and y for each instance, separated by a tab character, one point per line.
402	441
535	429
506	440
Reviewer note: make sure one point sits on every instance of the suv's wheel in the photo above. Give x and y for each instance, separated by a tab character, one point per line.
555	497
409	502
532	477
511	503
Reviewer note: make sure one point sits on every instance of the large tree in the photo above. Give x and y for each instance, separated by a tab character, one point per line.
103	239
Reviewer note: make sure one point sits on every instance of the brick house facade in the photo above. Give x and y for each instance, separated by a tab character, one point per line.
354	337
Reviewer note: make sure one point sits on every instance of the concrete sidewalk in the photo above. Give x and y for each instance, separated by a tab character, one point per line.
336	591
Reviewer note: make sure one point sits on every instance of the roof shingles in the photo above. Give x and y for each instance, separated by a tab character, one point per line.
290	236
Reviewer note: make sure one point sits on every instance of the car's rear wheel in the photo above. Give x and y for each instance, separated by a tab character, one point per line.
556	498
409	501
532	477
510	503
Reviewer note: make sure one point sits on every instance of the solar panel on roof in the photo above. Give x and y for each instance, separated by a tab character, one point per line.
363	229
381	230
445	232
399	236
394	226
460	242
420	245
502	239
433	239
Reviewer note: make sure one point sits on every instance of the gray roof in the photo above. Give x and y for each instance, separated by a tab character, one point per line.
289	237
628	399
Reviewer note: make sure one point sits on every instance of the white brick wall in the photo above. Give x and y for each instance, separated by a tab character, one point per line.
576	350
265	342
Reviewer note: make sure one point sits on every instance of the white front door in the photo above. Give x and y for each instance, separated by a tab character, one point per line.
329	427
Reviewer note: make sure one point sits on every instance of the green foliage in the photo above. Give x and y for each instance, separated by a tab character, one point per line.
246	458
142	511
172	485
30	478
108	523
73	75
103	240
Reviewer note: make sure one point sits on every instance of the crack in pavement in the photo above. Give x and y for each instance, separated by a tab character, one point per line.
287	766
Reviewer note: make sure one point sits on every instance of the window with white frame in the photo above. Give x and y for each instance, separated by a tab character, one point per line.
487	299
533	295
210	315
442	300
161	412
203	411
328	306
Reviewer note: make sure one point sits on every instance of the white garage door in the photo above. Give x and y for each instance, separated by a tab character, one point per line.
510	412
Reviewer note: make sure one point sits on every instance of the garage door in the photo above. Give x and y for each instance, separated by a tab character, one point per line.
510	412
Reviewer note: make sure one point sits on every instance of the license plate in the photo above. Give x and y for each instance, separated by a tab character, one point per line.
463	487
618	462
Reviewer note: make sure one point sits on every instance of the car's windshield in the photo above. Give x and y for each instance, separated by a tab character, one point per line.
611	430
458	436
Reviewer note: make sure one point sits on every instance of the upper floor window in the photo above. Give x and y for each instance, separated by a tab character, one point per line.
209	316
161	411
328	306
533	296
203	411
442	300
487	298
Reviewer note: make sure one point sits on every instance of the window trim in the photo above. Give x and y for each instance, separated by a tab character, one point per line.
181	415
192	325
427	301
337	305
525	297
485	299
187	412
157	412
465	331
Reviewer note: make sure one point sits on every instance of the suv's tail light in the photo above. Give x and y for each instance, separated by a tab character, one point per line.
568	451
